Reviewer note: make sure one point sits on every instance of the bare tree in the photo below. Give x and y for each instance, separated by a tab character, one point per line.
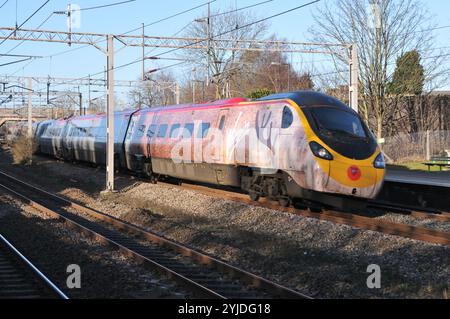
217	61
159	90
383	30
65	106
268	70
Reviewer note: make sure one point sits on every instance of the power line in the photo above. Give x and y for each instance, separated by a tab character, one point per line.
167	67
223	33
20	43
242	27
150	24
21	68
18	61
96	7
31	16
89	45
4	4
203	40
20	55
239	9
170	17
107	5
432	29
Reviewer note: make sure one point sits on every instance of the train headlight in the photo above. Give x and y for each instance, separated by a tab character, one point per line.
380	162
320	151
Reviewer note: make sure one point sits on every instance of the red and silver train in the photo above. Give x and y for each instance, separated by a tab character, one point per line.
302	145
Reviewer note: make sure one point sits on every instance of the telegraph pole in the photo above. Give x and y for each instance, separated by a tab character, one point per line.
110	116
143	52
354	81
80	95
30	107
208	35
69	22
177	93
89	93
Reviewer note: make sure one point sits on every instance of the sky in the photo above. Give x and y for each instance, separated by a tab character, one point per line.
119	19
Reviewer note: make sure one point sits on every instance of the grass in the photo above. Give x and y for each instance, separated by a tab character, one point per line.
415	166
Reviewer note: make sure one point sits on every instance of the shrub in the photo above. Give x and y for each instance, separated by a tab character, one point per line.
23	149
259	93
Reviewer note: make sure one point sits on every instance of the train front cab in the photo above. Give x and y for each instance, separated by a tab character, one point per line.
345	149
348	161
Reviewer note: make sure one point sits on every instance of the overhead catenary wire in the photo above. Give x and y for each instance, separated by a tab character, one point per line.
89	45
105	5
4	4
14	62
239	9
170	17
216	15
125	33
130	31
26	20
225	32
21	68
40	25
203	40
241	27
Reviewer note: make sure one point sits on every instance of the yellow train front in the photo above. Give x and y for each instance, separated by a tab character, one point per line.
335	156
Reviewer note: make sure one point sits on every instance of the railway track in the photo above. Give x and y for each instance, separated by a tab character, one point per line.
343	218
412	211
204	275
20	279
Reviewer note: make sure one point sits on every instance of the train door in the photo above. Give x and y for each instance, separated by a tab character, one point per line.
217	140
62	140
129	140
67	143
100	141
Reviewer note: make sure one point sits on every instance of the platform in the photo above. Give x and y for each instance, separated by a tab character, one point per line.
440	179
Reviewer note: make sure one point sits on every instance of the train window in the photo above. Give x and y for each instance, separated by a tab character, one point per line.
339	122
151	130
204	129
162	130
131	128
141	130
288	118
175	131
90	132
94	132
188	130
222	123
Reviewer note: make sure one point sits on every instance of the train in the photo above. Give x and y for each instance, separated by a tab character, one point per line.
297	146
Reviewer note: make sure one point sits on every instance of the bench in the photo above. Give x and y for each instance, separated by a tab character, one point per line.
439	161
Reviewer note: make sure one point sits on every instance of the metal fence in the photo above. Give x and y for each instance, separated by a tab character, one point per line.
417	146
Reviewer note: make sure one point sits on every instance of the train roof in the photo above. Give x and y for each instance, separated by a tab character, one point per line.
191	106
307	99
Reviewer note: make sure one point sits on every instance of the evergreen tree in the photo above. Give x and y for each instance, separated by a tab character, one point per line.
409	75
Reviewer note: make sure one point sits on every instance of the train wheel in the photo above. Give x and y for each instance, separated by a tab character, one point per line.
254	196
284	201
153	179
